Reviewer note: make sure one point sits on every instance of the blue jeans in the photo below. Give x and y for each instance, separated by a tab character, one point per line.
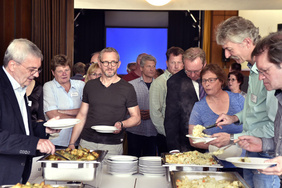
258	180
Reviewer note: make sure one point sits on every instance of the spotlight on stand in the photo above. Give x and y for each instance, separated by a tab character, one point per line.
158	2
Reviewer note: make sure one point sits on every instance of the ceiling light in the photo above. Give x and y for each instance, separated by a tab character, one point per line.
158	2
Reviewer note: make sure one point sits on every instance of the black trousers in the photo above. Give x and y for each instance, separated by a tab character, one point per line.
139	145
161	144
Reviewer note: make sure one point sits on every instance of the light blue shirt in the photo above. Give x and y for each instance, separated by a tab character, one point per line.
56	98
146	127
158	91
259	109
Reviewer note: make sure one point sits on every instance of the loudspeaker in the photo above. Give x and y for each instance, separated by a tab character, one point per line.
279	26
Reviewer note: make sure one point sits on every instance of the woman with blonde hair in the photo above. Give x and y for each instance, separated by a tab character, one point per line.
93	72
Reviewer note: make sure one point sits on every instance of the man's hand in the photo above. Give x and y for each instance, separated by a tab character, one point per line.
145	114
250	143
223	139
45	146
224	119
276	170
118	126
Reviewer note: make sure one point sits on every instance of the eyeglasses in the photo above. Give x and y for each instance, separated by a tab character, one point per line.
32	70
94	74
264	72
210	80
195	72
106	63
231	79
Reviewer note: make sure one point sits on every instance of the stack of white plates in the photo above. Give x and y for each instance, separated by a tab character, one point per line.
122	165
151	166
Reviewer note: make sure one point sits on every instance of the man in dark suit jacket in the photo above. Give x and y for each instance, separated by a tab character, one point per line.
182	93
19	137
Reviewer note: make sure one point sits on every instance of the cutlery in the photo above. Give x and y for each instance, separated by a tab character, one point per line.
61	156
211	126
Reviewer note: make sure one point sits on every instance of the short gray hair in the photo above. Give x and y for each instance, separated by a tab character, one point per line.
236	29
19	49
108	49
147	58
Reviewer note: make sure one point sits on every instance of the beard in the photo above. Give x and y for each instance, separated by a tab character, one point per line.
109	74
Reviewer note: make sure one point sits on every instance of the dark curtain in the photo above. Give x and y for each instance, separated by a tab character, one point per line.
89	34
52	31
181	32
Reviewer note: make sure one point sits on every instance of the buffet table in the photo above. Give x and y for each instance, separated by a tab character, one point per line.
108	180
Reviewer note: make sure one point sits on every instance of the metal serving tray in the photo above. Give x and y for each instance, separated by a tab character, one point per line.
229	176
72	170
194	167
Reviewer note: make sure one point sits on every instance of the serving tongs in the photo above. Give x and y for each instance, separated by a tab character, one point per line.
211	126
59	155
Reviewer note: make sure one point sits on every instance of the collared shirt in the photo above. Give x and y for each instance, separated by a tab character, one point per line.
146	127
20	94
260	108
158	91
274	145
56	98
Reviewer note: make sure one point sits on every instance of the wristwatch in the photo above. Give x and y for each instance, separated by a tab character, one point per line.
121	125
232	139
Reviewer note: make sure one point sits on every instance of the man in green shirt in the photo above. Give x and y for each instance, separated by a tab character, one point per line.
157	94
238	38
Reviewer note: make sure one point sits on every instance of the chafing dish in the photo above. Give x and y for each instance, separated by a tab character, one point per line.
72	170
193	167
229	176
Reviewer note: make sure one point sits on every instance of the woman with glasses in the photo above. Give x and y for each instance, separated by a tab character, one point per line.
93	72
217	101
235	82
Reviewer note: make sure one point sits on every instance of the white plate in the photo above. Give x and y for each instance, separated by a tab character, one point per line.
199	139
256	162
104	128
61	123
119	158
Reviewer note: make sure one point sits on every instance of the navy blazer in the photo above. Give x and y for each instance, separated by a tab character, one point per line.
16	148
180	99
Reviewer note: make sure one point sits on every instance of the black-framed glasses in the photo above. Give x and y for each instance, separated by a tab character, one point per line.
106	63
209	80
32	70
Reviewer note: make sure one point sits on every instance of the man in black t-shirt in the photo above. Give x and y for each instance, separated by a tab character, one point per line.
106	101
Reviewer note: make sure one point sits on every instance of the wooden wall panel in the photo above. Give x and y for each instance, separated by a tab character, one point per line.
216	50
15	22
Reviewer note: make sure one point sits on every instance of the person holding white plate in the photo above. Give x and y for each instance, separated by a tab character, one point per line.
106	101
217	101
267	55
62	97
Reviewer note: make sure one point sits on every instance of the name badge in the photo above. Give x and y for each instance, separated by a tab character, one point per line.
29	103
74	94
254	98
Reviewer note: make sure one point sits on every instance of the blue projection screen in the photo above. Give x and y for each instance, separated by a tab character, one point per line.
130	42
